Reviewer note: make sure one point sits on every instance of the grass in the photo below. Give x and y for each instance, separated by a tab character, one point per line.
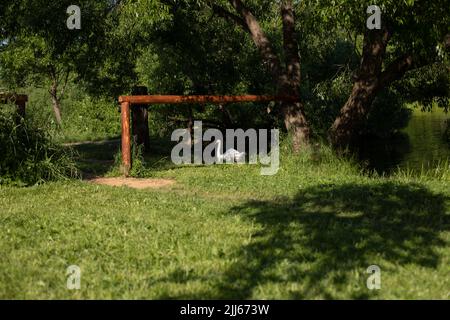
28	153
309	232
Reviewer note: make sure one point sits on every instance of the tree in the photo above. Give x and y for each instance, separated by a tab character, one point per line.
107	66
287	77
409	33
195	54
39	48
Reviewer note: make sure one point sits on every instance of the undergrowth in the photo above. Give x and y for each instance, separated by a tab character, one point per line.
29	156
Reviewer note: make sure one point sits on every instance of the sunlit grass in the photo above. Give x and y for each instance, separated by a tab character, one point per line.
225	231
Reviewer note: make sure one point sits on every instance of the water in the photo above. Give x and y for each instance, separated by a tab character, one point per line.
420	145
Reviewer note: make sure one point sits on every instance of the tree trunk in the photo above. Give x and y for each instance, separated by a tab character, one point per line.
347	126
297	125
140	129
293	114
56	103
287	81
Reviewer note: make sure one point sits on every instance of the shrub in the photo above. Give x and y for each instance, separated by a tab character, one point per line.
29	156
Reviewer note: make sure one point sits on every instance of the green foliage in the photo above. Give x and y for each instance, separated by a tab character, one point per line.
139	18
107	67
325	100
37	42
85	118
410	19
28	155
90	119
199	53
428	85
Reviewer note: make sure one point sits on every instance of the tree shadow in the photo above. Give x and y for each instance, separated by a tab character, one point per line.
318	239
97	158
384	155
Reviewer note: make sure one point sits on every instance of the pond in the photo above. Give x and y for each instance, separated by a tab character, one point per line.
419	145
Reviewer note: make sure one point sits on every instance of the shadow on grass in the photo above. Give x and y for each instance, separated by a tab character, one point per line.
310	246
331	230
97	158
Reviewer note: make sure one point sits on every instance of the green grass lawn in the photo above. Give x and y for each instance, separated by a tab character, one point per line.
310	231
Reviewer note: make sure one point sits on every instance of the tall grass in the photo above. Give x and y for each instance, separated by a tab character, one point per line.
139	168
29	156
439	171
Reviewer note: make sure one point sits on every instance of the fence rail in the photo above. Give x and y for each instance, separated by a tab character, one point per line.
127	101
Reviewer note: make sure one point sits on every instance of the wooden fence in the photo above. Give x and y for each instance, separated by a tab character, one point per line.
127	101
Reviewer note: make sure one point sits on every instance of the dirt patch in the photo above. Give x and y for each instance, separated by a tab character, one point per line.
133	182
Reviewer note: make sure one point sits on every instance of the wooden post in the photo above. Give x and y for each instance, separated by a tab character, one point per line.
139	125
21	106
126	138
139	121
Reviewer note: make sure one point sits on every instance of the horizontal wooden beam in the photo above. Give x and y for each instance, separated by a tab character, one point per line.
171	99
10	97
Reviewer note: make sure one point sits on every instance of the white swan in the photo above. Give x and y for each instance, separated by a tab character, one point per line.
230	156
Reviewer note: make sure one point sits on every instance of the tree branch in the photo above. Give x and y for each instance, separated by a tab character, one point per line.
396	70
260	39
63	89
374	50
291	49
224	13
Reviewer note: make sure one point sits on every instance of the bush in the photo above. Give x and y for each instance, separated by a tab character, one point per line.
28	156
